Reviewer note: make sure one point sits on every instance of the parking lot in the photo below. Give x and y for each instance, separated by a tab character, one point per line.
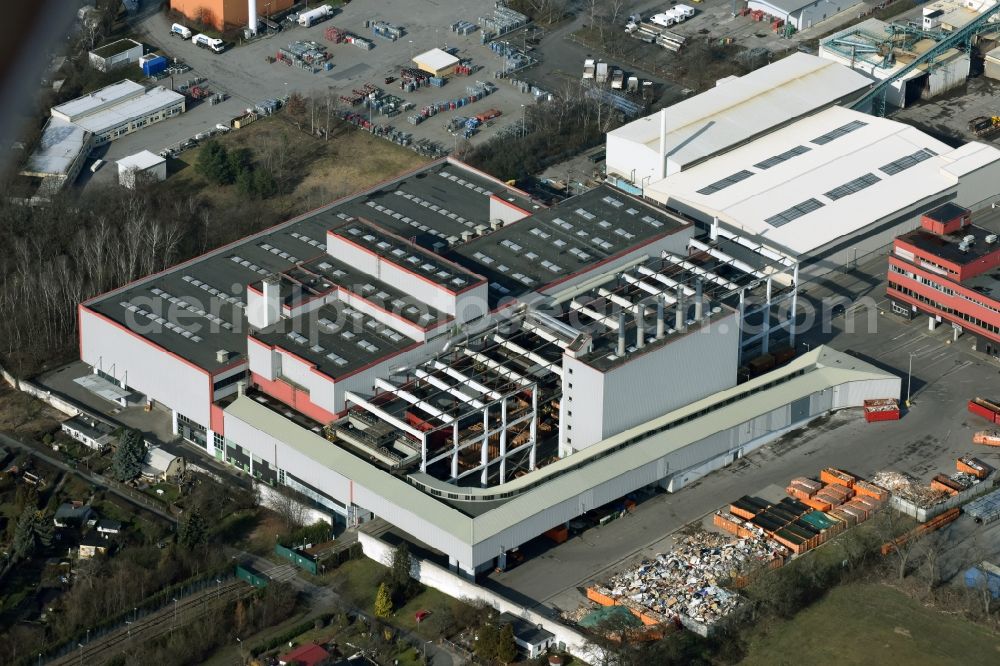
933	432
245	75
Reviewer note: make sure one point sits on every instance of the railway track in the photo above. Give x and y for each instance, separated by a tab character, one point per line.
173	616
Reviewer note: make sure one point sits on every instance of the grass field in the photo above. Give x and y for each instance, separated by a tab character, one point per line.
313	171
872	624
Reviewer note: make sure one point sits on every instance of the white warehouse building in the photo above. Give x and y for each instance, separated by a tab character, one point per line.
119	109
736	110
473	379
802	14
833	187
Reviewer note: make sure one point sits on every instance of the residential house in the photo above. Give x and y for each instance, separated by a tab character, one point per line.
529	637
108	528
88	431
91	544
161	465
308	654
75	514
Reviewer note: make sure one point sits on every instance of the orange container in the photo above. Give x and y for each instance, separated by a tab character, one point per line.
973	466
559	534
599	597
871	490
736	511
944	484
817	504
833	475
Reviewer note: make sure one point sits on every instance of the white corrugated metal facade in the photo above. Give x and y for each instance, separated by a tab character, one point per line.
672	450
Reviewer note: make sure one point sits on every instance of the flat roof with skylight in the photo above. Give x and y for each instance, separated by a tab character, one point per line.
825	176
558	242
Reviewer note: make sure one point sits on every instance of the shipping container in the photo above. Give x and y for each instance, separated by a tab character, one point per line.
154	65
986	409
987	438
558	534
973	466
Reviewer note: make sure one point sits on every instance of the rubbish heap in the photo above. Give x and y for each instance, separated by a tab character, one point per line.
687	581
908	489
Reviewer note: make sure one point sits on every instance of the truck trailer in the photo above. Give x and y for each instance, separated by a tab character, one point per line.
314	16
180	31
206	42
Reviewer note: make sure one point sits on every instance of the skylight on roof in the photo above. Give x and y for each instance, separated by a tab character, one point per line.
795	212
824	139
853	186
907	161
726	182
782	157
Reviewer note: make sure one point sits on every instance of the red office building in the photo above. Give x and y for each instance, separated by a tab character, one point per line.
949	269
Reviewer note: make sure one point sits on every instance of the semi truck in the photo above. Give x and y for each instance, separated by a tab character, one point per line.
314	16
206	42
177	30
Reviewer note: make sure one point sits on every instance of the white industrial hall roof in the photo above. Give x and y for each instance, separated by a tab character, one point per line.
59	147
823	177
436	59
740	108
141	160
128	110
80	107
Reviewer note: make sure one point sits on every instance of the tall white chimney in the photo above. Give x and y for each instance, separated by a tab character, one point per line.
640	329
272	299
252	14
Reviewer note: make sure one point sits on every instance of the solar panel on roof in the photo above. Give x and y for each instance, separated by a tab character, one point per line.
824	139
795	212
726	182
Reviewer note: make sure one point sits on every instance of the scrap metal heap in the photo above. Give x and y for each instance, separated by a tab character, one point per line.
687	583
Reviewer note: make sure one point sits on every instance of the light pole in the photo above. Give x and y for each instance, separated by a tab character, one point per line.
909	380
642	184
425	652
524	130
238	640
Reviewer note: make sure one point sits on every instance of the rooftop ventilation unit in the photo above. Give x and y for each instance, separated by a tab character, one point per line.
969	240
221	356
992	238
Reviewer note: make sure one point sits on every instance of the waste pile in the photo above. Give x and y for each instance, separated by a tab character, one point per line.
908	489
687	582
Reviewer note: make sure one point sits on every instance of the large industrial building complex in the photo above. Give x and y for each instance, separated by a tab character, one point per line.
771	158
476	368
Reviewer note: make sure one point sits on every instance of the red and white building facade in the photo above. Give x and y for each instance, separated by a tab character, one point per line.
946	270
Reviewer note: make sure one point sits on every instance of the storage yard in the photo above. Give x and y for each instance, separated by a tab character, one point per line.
933	434
357	49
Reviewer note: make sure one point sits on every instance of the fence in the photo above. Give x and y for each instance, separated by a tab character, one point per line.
37	392
298	558
455	586
923	514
